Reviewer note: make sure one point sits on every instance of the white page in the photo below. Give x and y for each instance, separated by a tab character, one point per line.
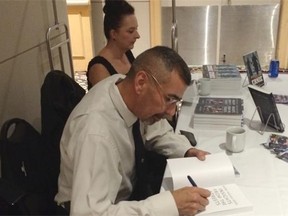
227	200
217	169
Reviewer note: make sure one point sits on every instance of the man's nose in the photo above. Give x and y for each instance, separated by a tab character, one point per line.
137	35
171	110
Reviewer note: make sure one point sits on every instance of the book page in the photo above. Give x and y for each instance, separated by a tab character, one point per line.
217	169
225	200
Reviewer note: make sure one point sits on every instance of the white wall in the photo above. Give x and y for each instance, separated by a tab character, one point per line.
23	57
142	12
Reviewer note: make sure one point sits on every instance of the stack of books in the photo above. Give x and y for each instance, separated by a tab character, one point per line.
218	113
225	79
278	145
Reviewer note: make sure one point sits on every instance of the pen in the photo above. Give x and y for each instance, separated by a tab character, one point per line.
191	181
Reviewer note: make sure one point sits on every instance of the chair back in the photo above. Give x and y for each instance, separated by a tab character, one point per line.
22	176
59	96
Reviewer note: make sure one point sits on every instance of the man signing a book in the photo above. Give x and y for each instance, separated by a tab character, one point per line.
103	145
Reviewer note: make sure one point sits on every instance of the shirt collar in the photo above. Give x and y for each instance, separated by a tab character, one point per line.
119	103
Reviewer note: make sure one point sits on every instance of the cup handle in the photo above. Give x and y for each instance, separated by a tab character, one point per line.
233	143
198	84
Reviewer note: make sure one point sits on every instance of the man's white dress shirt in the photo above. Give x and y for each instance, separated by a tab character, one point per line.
98	158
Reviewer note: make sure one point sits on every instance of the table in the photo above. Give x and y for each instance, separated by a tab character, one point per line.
263	177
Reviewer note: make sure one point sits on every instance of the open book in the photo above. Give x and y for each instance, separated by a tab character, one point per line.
216	174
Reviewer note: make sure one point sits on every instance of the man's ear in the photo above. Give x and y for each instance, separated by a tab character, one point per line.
141	82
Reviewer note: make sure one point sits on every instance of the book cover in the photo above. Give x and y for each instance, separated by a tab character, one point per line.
266	107
278	144
281	99
217	174
277	141
212	106
253	68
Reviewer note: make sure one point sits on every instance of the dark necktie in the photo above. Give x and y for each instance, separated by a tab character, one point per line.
139	189
139	148
149	173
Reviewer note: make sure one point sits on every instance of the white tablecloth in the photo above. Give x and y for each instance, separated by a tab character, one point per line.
263	177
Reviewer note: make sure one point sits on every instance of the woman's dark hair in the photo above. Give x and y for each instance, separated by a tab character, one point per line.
114	11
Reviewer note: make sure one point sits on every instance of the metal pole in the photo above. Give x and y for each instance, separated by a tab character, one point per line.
174	33
55	12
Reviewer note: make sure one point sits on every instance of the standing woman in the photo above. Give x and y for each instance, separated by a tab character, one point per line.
120	28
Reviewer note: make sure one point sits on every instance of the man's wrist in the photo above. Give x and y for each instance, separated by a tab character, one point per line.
190	152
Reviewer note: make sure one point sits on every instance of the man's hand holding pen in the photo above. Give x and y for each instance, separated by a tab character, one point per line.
191	200
191	181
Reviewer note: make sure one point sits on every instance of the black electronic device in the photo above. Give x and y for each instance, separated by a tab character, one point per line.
190	136
266	107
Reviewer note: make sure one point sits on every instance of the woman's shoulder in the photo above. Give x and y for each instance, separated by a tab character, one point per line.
103	61
130	56
98	60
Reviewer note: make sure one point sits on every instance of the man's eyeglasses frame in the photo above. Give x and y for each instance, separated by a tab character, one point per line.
169	100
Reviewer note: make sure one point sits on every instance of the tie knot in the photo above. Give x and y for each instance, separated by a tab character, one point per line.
136	127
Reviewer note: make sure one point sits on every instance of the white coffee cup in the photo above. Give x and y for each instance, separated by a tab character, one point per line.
204	86
235	139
